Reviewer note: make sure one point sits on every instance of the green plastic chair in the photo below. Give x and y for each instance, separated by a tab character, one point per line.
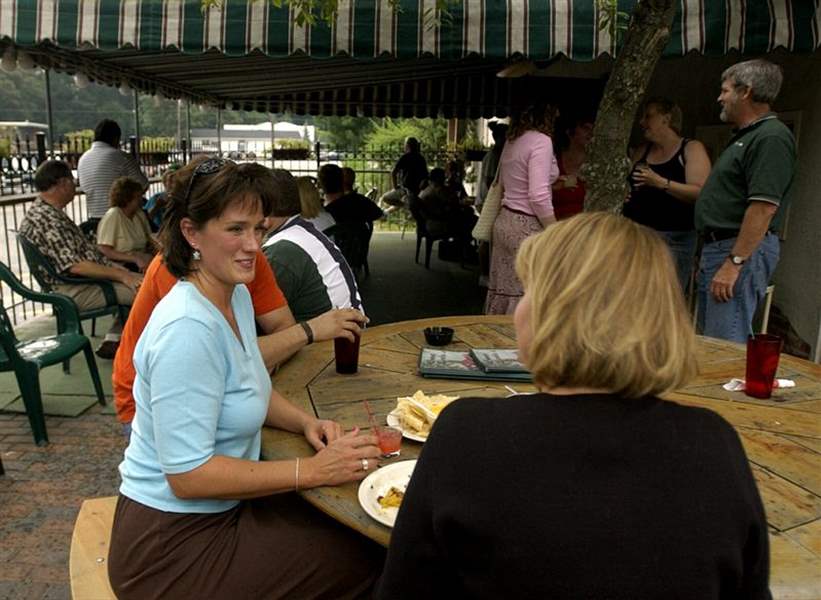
44	272
28	357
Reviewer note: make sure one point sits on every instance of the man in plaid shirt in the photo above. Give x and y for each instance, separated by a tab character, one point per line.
47	226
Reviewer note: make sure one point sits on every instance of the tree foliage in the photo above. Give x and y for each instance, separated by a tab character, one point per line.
309	12
391	133
350	133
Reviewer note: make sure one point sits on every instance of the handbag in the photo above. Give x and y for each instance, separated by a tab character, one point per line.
483	230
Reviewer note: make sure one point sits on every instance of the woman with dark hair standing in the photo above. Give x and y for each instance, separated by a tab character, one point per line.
199	516
527	169
572	136
668	173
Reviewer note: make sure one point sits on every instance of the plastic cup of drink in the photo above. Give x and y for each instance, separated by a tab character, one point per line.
347	355
389	439
763	351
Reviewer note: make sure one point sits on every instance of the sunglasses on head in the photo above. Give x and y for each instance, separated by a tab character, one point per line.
206	167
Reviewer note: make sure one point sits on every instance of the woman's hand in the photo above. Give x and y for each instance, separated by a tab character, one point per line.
348	458
644	175
321	432
141	259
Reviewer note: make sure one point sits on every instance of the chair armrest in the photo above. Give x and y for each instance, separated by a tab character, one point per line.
68	316
106	285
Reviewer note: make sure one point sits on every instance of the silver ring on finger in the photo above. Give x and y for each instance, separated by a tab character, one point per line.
365	464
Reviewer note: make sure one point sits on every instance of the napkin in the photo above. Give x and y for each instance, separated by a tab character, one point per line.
738	385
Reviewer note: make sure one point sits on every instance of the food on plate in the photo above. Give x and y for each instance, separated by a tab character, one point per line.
392	499
417	413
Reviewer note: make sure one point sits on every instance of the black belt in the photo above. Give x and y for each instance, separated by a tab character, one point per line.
716	235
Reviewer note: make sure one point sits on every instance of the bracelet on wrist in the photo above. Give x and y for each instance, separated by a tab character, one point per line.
309	333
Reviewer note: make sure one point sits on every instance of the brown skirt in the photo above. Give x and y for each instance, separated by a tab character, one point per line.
504	289
273	547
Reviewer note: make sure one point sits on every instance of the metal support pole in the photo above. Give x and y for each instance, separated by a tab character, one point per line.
137	116
41	147
188	124
219	132
49	113
271	117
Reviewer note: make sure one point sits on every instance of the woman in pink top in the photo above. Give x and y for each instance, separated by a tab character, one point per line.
527	169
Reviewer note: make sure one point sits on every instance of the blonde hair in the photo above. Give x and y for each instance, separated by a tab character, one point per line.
607	308
308	197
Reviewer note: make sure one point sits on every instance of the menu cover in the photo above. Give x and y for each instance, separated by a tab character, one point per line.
447	364
492	360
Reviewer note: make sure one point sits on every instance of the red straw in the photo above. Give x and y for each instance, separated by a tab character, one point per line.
370	414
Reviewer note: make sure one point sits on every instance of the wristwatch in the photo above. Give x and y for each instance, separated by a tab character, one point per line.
737	260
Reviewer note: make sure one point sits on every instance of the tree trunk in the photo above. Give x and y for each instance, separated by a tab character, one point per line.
607	165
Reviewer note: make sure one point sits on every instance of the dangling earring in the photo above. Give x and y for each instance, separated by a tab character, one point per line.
196	254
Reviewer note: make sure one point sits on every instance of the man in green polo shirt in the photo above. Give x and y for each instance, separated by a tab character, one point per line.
743	202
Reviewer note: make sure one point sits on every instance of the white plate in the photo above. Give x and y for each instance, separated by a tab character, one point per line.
393	421
378	483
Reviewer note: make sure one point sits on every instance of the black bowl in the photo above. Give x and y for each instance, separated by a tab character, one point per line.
438	336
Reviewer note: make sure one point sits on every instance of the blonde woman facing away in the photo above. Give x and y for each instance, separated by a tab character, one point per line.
594	487
312	209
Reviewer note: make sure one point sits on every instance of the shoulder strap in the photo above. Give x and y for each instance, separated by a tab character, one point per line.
682	157
646	152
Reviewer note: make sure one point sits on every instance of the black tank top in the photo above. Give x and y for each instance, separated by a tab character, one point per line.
656	208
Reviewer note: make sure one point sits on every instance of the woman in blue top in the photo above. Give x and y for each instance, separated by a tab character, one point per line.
198	514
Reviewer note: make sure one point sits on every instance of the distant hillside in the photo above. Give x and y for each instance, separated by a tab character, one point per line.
22	97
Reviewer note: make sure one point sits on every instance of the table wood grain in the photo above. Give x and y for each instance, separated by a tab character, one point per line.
782	436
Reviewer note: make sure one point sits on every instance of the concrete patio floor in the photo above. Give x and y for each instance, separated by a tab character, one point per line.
43	487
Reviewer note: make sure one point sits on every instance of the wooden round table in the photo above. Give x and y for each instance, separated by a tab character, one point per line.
782	436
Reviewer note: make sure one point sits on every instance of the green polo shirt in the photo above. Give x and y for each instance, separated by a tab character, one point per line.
757	165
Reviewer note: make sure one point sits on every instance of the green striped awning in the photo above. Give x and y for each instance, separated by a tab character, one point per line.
536	29
372	60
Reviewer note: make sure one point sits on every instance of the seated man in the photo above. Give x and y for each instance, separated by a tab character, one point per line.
345	208
310	269
407	176
282	334
49	228
442	210
353	213
348	180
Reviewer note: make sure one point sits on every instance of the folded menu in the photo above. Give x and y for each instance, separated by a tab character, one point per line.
491	360
448	364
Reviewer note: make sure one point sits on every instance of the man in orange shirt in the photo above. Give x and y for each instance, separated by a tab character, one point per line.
282	335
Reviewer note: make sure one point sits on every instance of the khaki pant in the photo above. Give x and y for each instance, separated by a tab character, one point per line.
87	297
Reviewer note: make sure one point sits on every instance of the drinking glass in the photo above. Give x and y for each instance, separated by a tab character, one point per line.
389	439
347	354
763	351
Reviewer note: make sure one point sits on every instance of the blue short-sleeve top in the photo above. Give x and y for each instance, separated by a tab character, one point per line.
199	392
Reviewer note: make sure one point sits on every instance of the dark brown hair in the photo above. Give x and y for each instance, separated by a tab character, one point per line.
123	191
536	117
206	198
